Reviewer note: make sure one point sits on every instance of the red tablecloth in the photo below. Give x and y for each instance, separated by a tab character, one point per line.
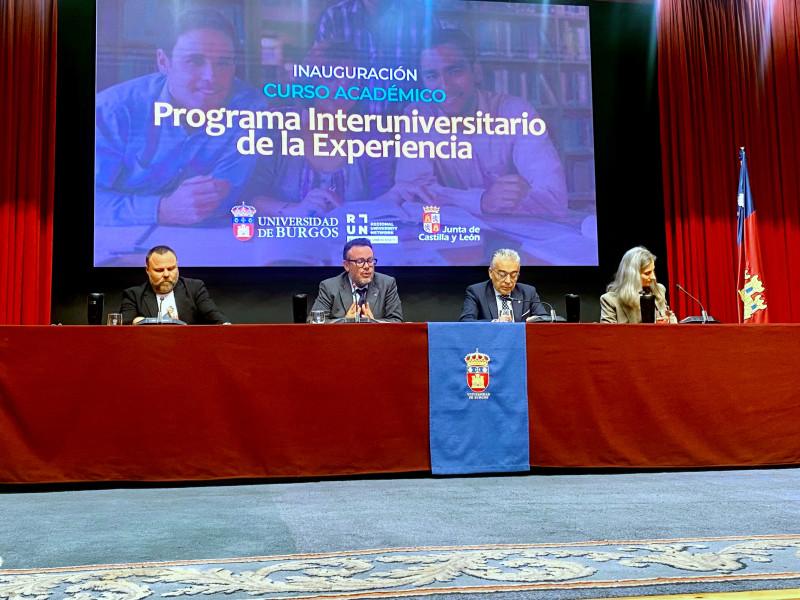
248	401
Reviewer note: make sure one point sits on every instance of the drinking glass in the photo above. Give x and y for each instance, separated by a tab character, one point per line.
114	319
317	316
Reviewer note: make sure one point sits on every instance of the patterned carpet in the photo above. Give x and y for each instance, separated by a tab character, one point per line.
605	568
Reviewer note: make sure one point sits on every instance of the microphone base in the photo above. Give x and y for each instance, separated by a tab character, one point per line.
698	320
155	321
545	319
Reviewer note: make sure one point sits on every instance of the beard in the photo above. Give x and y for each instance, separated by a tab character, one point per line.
361	281
164	287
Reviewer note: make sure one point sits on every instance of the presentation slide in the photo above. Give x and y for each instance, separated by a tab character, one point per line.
270	132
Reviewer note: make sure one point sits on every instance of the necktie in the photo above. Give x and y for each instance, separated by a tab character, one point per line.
362	295
506	304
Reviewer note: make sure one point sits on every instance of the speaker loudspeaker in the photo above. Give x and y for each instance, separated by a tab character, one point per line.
94	308
300	307
647	302
573	304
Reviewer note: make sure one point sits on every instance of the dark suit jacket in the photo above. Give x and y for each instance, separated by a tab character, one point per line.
195	306
480	303
336	295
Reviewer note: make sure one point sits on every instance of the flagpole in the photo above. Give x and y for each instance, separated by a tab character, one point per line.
740	254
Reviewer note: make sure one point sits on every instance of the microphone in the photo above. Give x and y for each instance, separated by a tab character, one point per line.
705	318
168	320
357	300
551	318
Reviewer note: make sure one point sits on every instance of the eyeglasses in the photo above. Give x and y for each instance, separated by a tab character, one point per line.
363	261
503	275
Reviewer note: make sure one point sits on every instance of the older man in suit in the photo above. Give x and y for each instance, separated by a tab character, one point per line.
486	301
169	295
359	293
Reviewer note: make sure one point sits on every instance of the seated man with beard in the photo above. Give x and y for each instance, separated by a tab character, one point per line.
166	295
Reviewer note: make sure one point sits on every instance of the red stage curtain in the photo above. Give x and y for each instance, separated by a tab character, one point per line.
728	76
27	156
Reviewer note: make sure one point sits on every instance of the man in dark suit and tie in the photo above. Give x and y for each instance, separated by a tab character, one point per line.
486	301
167	293
359	293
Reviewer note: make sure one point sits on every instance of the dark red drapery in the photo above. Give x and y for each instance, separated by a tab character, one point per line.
27	156
729	76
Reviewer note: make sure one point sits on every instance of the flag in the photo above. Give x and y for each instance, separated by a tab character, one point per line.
749	274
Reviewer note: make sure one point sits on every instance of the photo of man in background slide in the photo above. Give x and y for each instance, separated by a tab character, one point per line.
173	175
519	174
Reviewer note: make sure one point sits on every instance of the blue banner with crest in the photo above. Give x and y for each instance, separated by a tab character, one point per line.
478	398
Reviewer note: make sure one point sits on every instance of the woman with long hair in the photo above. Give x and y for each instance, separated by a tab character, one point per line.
636	275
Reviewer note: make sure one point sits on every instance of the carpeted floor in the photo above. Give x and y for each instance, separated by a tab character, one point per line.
522	536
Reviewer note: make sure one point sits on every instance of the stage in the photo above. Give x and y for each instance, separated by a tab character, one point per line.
80	403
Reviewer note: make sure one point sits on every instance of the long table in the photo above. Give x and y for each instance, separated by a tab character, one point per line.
280	401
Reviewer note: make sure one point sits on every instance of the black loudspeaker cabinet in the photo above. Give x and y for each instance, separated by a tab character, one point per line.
94	308
647	302
573	304
300	307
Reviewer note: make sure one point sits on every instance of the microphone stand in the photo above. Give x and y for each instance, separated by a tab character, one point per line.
159	320
553	317
705	318
357	316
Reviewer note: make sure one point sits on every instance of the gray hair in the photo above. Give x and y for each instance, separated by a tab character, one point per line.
505	253
628	280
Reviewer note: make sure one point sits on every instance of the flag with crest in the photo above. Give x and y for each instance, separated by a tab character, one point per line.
752	301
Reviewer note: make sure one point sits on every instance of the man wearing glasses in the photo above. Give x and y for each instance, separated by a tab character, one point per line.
359	294
502	298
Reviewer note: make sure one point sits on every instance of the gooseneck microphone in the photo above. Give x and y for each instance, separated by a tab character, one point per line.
551	318
357	300
160	319
702	308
